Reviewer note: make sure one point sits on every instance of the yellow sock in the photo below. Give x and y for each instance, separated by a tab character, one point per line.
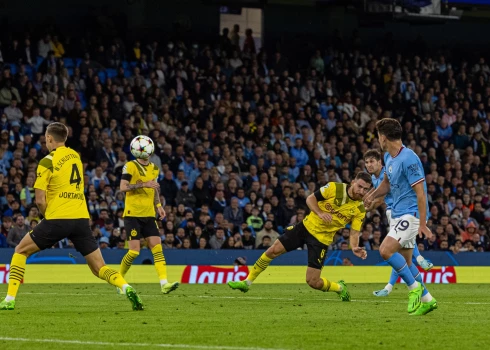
330	286
17	269
112	277
127	261
160	263
259	266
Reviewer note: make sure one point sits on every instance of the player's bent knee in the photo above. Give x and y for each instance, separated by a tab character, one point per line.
385	253
22	251
95	271
26	249
314	282
276	250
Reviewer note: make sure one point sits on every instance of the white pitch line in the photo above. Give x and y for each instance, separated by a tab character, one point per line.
250	298
174	346
379	300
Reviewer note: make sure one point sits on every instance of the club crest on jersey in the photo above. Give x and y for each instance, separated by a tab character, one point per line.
290	227
390	169
133	233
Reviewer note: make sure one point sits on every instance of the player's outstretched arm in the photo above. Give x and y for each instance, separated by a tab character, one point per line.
312	203
379	192
354	243
41	201
376	203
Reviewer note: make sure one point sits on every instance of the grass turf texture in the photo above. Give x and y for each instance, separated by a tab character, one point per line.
267	317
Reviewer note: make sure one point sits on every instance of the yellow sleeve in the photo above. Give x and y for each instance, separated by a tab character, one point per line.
43	173
358	220
328	191
128	171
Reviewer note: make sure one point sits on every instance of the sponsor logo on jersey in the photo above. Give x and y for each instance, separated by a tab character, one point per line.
213	275
331	210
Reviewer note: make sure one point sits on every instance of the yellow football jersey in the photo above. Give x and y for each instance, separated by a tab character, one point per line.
343	209
60	174
141	202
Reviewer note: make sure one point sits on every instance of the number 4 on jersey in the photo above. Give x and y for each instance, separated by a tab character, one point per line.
75	177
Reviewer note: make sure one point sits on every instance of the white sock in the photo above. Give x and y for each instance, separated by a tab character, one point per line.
389	287
413	286
124	288
420	259
163	282
426	298
9	298
248	282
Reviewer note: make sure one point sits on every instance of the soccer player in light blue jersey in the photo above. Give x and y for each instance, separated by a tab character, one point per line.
372	161
405	179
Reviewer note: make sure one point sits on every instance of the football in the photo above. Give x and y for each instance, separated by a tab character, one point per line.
142	147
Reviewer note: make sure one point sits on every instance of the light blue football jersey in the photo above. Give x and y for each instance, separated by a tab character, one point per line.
404	171
377	181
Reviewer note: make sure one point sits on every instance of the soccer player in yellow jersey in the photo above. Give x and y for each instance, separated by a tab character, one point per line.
332	207
142	196
59	197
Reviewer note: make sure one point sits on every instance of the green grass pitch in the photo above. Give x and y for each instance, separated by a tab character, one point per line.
93	316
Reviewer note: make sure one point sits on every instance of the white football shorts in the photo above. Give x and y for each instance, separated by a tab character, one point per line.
405	230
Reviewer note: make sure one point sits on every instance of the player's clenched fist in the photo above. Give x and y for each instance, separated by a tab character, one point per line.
161	213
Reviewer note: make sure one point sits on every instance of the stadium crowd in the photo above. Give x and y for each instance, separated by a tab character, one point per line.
242	136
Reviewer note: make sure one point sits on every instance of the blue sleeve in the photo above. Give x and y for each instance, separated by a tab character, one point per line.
412	167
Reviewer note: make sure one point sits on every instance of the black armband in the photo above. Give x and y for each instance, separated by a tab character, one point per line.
319	196
126	177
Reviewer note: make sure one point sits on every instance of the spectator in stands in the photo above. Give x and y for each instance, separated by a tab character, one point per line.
8	93
217	239
268	231
17	232
235	37
254	220
45	46
6	226
233	213
266	243
13	113
248	240
104	243
185	196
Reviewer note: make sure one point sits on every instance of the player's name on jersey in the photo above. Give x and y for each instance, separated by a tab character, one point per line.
64	160
71	195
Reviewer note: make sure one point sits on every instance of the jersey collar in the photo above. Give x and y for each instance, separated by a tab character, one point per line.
399	151
347	193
